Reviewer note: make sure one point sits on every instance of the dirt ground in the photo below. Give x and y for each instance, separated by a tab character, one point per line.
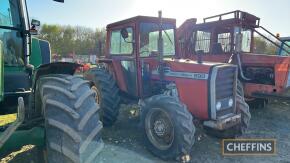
124	141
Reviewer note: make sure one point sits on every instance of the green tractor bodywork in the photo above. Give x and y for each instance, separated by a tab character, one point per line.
34	136
55	107
1	73
40	52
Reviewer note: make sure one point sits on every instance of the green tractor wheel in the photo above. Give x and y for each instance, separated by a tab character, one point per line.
72	122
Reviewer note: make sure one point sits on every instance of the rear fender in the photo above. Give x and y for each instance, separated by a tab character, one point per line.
54	68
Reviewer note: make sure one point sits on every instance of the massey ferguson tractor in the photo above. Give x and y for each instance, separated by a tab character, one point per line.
141	66
264	76
55	108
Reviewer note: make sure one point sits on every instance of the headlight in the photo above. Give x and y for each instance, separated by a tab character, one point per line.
231	102
218	106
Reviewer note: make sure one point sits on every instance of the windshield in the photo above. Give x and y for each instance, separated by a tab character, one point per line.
10	36
149	39
283	52
9	14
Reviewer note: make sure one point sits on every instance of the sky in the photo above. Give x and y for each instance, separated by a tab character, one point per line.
274	14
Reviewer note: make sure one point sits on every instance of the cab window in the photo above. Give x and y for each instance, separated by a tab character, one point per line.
246	39
283	52
223	44
149	33
119	46
10	33
202	44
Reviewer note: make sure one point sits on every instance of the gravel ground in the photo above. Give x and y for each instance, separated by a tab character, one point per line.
124	140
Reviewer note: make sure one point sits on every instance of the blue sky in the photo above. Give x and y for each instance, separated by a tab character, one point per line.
274	14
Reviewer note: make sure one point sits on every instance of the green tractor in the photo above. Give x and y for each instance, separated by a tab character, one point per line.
56	109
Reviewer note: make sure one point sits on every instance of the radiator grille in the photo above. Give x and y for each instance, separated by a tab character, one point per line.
225	82
225	87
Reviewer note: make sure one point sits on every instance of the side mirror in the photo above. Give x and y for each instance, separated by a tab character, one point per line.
124	33
61	1
34	24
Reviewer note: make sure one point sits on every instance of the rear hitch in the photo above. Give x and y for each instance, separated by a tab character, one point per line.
11	129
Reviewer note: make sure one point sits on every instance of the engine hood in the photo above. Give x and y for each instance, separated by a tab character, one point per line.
187	65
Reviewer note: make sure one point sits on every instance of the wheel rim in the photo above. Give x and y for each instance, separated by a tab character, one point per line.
159	128
97	94
98	100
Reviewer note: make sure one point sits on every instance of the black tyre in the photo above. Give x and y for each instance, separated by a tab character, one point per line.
168	127
71	119
240	88
241	108
107	94
257	103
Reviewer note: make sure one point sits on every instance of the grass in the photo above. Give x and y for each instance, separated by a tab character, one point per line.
6	119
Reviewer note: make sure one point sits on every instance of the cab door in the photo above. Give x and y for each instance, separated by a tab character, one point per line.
122	52
148	60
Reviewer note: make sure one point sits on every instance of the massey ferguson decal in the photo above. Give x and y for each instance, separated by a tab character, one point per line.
189	75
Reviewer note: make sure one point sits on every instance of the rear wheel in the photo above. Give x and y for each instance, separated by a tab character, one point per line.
168	127
257	103
107	94
71	119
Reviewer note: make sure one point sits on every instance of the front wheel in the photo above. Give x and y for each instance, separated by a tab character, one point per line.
168	127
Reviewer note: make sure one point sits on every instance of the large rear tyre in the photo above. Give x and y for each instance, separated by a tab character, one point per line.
107	94
168	127
71	119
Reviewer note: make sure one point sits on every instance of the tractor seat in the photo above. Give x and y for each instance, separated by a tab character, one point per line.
217	48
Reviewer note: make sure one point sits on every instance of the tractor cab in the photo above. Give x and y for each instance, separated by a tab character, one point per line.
217	35
21	53
13	50
133	44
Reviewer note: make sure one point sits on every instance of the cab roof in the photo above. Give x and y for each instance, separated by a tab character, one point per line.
138	19
232	18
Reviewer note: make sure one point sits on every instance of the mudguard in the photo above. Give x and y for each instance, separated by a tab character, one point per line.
40	52
54	68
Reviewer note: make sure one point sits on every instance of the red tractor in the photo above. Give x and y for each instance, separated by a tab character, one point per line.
141	66
229	38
